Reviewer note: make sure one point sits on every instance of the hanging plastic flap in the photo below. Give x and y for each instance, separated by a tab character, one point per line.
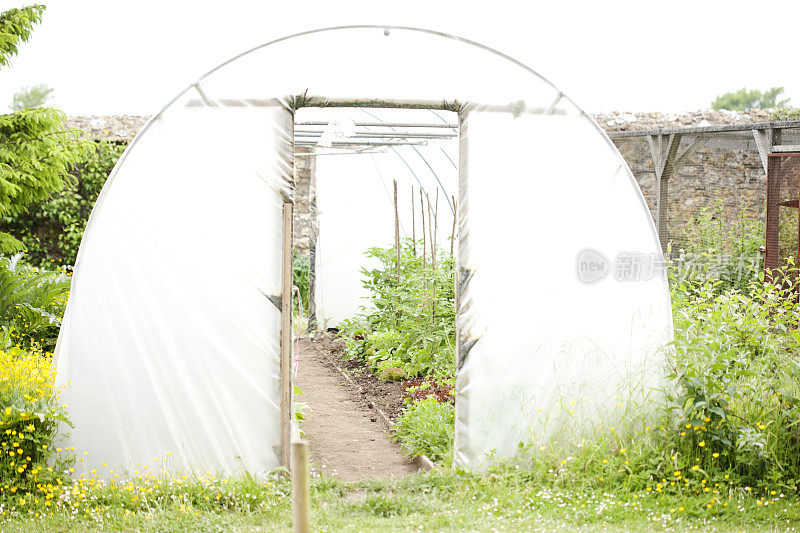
556	342
169	354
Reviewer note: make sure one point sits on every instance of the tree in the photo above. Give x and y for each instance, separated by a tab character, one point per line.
742	100
36	150
31	97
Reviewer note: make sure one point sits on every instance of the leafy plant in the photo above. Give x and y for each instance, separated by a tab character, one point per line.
412	323
738	382
426	427
301	277
32	302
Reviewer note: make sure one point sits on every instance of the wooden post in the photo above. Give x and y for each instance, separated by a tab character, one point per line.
413	225
397	232
436	226
663	149
430	233
301	489
453	231
286	336
462	274
422	211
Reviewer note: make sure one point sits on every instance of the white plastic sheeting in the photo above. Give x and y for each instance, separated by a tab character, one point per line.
553	359
170	348
170	342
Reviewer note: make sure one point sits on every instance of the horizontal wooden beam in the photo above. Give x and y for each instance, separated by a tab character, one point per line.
783	124
783	148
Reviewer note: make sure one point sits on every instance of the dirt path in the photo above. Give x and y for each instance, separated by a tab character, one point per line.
347	439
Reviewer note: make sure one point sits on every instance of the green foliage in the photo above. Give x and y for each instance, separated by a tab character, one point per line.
36	151
721	246
738	392
412	323
31	97
32	302
15	28
744	99
301	409
51	230
785	113
29	418
427	427
301	277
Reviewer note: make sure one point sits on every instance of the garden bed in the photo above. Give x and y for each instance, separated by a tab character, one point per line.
387	396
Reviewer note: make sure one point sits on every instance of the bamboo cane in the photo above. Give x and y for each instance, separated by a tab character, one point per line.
453	232
397	232
422	212
413	225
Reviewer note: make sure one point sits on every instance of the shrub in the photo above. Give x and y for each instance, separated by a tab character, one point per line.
738	380
720	247
426	427
30	415
51	230
32	303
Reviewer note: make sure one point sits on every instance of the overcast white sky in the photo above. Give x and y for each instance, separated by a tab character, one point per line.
114	57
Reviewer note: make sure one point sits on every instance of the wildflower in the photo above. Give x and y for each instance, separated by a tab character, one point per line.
701	443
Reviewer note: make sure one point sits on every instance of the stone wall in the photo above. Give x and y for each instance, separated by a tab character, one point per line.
735	179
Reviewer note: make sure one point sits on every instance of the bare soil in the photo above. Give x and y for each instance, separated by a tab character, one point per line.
388	396
348	439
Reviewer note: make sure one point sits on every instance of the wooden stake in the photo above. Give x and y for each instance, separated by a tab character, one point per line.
430	233
436	226
286	336
422	212
397	232
453	232
301	488
413	225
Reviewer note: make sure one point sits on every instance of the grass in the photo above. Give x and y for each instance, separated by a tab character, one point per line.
438	501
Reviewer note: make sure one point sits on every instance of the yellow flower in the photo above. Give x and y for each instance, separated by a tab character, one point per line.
715	455
695	467
701	443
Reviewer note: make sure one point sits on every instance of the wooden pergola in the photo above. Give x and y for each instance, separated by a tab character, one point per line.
671	148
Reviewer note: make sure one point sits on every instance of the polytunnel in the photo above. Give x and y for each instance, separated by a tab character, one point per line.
174	350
